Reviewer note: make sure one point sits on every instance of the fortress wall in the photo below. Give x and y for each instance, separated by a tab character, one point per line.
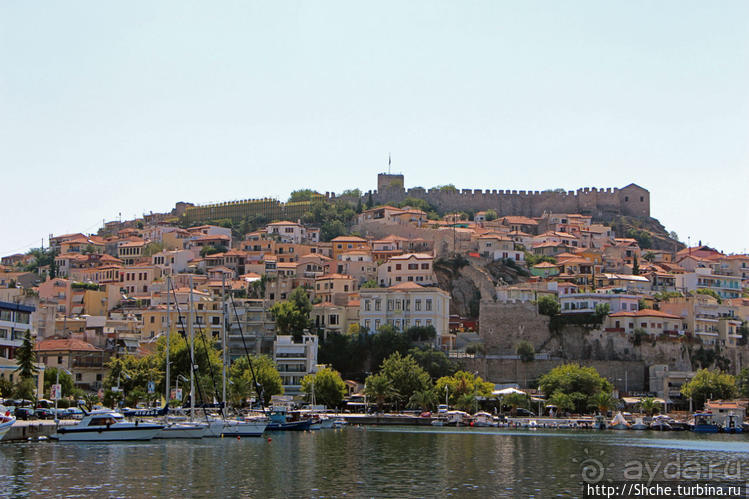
601	203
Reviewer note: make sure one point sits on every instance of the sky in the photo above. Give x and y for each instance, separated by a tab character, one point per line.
111	108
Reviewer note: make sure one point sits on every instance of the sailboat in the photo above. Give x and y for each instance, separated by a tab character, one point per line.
248	427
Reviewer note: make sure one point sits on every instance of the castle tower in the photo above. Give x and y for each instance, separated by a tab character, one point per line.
388	181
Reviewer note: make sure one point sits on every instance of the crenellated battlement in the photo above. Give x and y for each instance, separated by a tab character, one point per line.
601	203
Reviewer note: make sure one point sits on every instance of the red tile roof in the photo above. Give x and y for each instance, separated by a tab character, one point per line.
69	344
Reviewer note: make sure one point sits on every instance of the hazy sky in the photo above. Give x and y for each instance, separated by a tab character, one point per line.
130	107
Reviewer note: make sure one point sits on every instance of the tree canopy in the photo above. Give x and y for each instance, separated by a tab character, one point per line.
707	385
329	388
292	315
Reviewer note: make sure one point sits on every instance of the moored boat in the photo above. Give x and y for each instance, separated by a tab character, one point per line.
483	419
619	423
704	423
6	421
639	424
107	425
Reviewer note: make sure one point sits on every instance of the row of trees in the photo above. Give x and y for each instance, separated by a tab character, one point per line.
401	382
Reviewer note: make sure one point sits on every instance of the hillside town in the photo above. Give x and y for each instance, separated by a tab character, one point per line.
504	287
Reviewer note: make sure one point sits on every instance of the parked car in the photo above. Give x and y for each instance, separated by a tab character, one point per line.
44	413
522	412
24	413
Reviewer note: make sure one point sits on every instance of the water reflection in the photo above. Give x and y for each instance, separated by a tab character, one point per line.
365	462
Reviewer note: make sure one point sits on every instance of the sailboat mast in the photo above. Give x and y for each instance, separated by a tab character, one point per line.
223	342
190	320
168	330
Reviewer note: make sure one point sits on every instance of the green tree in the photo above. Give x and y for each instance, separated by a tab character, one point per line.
292	315
635	266
423	399
266	374
380	389
370	284
562	401
491	215
25	389
742	383
603	401
707	385
515	400
405	376
328	387
385	343
525	350
66	381
579	382
26	357
6	387
649	257
421	333
303	195
548	305
649	406
462	383
434	362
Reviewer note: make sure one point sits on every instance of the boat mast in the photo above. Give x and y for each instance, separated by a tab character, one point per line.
223	343
168	330
190	319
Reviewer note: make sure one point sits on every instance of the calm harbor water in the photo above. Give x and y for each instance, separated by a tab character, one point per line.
369	462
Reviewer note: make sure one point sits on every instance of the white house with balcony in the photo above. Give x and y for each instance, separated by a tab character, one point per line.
15	321
295	360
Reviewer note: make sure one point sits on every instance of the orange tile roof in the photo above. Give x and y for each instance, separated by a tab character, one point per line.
646	312
68	344
407	285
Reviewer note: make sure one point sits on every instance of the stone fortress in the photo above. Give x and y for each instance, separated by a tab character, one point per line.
602	204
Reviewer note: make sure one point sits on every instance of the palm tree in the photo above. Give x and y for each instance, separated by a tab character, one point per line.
649	405
603	401
424	400
380	389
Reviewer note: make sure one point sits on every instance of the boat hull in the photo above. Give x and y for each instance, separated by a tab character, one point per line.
5	427
107	434
183	431
243	428
290	426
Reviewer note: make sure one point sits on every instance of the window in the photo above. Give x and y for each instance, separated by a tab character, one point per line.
428	304
98	377
153	319
377	323
59	359
78	376
413	266
377	305
390	305
397	266
366	323
366	305
417	305
424	266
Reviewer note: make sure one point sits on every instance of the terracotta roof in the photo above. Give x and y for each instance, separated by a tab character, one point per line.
418	256
407	285
69	344
647	312
349	238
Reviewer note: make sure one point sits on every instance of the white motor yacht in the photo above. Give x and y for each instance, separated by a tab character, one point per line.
106	425
185	429
243	428
6	421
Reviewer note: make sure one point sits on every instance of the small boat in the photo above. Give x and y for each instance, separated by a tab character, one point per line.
439	422
732	425
278	422
638	425
704	423
107	425
339	422
619	423
483	419
6	421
